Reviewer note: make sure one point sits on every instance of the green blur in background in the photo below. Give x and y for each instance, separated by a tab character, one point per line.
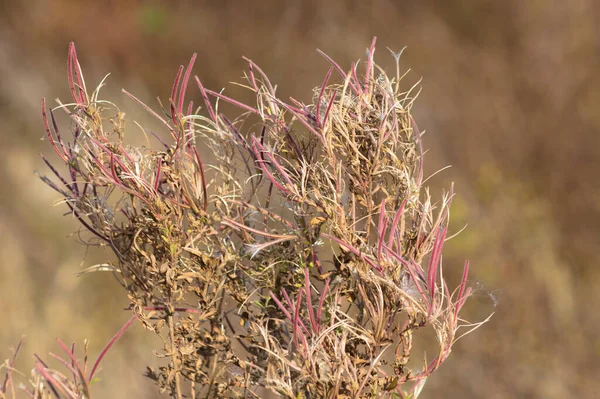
511	99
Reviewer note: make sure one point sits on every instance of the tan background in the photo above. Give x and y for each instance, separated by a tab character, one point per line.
511	100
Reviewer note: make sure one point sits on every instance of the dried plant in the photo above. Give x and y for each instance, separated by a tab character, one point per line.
47	382
301	260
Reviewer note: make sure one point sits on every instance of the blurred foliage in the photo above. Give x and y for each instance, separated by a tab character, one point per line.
510	98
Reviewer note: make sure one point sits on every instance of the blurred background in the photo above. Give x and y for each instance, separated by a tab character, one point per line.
511	99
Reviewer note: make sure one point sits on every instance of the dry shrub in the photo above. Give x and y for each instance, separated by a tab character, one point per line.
300	261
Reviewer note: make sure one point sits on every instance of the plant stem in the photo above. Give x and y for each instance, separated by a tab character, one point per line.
174	354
